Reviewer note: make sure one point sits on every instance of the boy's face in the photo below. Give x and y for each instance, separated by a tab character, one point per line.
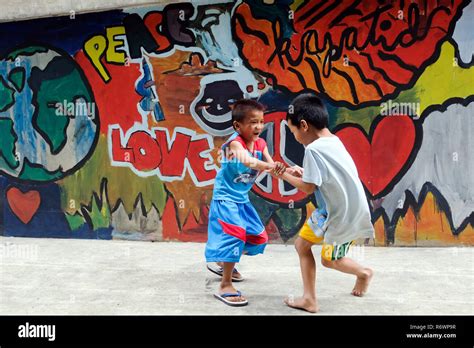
301	133
251	127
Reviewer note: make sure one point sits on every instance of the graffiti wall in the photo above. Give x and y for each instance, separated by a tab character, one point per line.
110	123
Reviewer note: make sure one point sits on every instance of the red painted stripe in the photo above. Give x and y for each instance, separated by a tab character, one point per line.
233	230
258	239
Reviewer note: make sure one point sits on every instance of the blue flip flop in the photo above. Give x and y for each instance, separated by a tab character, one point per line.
222	297
220	271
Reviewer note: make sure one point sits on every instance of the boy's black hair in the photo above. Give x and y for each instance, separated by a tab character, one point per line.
243	107
310	108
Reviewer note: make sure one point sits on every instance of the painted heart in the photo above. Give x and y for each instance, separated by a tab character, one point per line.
382	157
23	204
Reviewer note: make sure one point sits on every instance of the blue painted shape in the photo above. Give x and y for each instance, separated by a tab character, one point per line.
63	32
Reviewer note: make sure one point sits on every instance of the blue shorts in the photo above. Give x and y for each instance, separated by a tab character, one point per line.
234	228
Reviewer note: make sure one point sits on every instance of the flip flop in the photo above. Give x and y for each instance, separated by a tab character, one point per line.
220	271
222	297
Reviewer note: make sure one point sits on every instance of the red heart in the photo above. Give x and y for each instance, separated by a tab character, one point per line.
381	160
23	205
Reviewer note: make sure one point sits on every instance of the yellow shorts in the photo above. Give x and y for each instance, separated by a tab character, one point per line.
329	252
307	234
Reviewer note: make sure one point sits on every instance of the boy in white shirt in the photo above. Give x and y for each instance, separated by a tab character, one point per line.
342	215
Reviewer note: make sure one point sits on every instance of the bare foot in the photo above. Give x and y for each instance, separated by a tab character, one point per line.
235	274
303	303
362	283
230	289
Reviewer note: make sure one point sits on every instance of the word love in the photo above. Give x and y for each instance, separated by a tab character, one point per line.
154	152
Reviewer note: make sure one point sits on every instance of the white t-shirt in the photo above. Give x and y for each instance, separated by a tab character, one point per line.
328	165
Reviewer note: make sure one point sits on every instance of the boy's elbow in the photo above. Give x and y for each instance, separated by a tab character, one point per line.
308	188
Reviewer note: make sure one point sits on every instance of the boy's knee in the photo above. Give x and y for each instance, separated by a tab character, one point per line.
327	263
302	245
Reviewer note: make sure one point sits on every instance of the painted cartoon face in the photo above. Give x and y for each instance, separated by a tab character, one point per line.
212	108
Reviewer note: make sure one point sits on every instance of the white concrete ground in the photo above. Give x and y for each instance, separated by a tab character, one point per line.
63	277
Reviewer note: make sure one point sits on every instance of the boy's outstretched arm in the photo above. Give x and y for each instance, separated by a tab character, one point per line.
242	155
266	155
299	183
278	167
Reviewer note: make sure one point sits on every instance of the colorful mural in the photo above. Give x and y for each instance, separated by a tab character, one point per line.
110	123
